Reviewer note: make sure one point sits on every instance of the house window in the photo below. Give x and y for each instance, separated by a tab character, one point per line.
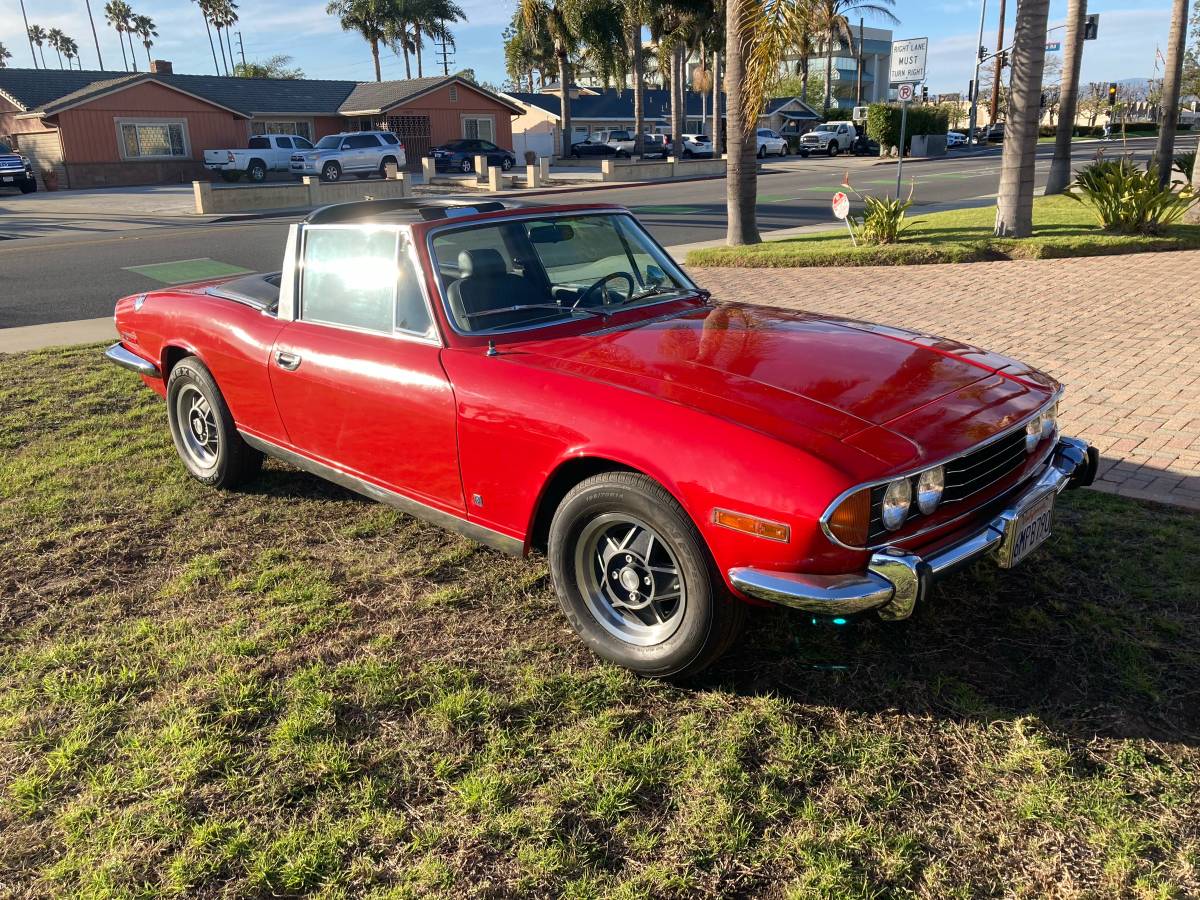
479	128
153	139
454	93
299	128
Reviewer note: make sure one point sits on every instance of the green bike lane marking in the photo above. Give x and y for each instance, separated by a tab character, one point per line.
183	270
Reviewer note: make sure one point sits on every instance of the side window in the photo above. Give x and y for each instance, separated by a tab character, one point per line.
284	143
259	143
349	277
390	138
412	314
302	144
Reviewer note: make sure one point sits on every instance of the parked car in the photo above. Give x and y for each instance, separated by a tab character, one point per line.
16	170
593	147
264	153
696	145
655	146
994	133
619	139
955	139
568	387
771	143
459	156
828	137
360	153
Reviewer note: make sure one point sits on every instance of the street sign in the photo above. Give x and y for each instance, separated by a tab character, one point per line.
841	205
1053	46
904	93
1091	27
908	60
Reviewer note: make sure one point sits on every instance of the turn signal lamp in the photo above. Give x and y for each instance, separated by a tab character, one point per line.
849	522
763	528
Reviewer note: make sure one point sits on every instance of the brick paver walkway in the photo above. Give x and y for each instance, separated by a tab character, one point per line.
1121	332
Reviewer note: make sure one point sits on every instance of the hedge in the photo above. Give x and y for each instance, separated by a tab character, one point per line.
883	123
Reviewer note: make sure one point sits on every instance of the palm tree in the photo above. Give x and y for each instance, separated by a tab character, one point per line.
116	14
557	17
55	37
205	9
95	37
370	18
224	16
832	19
5	54
1068	92
1172	75
634	13
38	36
143	26
430	18
70	49
1014	207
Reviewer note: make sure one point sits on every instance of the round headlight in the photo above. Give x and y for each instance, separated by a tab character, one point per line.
1050	421
929	489
1033	433
896	501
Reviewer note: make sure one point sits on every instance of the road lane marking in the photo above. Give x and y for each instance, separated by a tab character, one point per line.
183	270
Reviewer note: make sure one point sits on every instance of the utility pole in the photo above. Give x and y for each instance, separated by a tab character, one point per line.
242	48
999	70
858	85
973	119
95	38
444	51
32	52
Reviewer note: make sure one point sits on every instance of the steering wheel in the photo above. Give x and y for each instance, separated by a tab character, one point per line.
601	283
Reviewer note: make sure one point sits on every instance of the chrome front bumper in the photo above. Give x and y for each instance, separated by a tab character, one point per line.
896	580
131	361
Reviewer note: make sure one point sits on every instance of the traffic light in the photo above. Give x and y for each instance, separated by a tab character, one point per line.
924	93
1112	93
982	51
1004	59
1091	27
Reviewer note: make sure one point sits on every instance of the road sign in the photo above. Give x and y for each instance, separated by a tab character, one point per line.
908	60
1053	46
904	93
841	205
1091	27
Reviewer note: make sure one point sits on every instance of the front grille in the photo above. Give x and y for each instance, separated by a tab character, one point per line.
966	476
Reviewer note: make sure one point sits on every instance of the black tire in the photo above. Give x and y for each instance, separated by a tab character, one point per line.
466	166
706	617
785	151
506	164
804	154
834	149
234	461
332	171
28	187
230	176
762	151
575	154
256	171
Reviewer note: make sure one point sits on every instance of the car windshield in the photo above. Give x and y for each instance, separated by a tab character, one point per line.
533	272
826	127
330	142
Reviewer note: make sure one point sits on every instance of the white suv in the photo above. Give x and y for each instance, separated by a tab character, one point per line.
770	143
360	153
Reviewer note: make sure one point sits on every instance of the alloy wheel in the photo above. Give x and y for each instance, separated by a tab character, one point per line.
197	425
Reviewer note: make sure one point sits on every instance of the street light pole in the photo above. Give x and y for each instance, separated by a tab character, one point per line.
974	117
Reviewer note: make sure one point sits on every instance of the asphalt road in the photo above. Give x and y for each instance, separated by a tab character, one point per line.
78	276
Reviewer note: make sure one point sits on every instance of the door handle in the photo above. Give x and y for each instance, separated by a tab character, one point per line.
289	361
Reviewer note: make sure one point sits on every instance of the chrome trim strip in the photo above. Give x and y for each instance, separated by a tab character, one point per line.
895	580
126	359
415	508
829	510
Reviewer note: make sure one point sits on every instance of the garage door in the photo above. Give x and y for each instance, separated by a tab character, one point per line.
413	132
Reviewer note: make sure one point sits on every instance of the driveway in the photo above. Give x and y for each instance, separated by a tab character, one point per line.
1122	333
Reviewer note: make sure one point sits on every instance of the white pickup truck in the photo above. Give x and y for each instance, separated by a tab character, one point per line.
265	153
829	137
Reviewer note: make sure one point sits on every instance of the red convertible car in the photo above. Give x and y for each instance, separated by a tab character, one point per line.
547	377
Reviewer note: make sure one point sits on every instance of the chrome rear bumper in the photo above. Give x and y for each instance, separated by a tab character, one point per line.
896	580
129	360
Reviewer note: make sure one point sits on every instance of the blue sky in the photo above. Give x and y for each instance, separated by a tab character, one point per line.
1129	33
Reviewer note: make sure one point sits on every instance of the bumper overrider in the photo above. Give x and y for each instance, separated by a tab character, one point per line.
896	580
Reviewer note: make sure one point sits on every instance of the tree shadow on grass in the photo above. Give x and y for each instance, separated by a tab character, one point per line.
1095	636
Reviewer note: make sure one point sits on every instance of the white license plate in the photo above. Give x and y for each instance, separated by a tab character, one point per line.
8	179
1032	528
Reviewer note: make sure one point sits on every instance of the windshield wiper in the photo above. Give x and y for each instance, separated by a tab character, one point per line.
654	291
569	310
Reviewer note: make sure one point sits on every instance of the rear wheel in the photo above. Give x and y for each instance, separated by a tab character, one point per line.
257	170
506	164
203	431
466	166
383	173
635	579
331	172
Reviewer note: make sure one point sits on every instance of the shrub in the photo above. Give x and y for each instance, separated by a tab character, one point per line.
1185	163
1130	200
883	123
883	219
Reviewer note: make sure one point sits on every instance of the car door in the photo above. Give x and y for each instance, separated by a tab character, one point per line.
357	375
282	152
495	156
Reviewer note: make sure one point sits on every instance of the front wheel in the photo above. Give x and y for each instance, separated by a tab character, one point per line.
331	172
762	151
635	579
203	431
785	150
834	149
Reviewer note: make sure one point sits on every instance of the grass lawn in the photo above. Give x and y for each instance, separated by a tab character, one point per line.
290	691
1062	228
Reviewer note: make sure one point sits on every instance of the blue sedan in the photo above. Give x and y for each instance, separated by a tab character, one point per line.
459	156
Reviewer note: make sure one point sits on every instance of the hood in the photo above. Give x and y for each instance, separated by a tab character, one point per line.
782	372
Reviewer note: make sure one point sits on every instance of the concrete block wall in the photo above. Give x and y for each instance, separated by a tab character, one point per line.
312	192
